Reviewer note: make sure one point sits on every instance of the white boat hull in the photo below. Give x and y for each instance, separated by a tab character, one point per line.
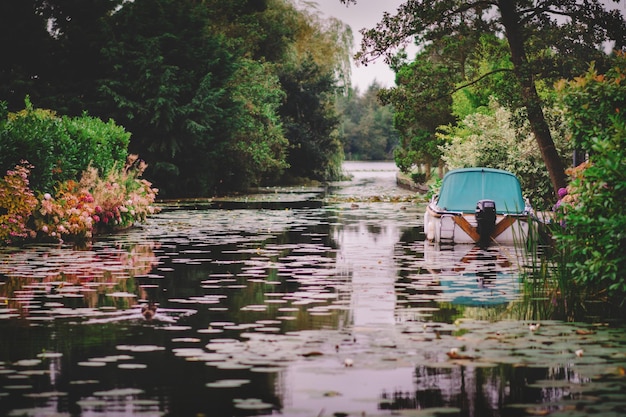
451	227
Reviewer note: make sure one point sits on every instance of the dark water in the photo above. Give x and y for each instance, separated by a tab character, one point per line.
294	302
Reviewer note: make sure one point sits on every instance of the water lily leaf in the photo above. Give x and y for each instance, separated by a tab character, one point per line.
132	366
119	392
251	404
27	362
228	383
92	364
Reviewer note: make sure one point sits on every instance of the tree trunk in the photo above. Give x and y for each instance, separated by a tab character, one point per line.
524	74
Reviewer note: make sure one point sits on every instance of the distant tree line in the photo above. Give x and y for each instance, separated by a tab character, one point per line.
367	126
217	95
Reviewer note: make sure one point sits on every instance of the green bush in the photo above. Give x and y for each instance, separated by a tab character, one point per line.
418	177
58	148
594	236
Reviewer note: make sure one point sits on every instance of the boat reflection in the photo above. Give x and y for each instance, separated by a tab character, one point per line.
473	275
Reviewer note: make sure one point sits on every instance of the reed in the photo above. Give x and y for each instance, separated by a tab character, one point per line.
548	288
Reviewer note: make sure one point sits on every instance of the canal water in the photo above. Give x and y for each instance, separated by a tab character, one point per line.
294	302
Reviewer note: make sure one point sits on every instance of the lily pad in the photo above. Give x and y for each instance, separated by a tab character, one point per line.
228	383
251	404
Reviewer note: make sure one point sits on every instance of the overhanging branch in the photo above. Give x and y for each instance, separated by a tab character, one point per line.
490	73
459	88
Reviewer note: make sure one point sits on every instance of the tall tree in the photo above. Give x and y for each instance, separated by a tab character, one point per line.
310	120
27	52
367	130
546	38
167	83
77	30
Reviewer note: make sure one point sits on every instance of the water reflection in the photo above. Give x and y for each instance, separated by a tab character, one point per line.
303	309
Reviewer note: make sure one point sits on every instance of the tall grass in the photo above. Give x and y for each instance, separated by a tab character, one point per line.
548	288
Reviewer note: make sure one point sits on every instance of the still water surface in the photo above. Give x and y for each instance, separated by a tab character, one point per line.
294	302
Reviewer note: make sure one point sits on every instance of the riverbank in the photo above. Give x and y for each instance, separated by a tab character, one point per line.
405	181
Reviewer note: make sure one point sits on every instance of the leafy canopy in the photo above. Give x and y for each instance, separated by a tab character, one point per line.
546	40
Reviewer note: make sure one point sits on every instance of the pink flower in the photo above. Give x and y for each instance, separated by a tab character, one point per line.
95	218
98	209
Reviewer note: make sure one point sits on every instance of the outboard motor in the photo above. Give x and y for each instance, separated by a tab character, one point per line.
485	219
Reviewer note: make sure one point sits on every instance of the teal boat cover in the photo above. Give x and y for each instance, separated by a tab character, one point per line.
462	188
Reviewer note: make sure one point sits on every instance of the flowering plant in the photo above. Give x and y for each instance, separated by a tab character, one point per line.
77	210
17	202
69	212
123	198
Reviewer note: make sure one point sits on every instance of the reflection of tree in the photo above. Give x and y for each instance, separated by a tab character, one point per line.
479	391
65	277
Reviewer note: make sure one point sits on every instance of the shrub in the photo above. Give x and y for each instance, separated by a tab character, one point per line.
17	202
68	213
594	237
60	148
96	204
122	197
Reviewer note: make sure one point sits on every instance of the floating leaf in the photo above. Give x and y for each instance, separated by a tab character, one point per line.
251	404
228	383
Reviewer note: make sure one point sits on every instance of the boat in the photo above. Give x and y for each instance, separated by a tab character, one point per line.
478	206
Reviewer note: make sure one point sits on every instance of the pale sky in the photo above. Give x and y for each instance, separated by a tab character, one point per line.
365	14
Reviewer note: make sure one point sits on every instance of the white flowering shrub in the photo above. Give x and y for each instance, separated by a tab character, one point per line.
490	139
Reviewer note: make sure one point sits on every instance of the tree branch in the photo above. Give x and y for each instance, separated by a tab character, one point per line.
482	77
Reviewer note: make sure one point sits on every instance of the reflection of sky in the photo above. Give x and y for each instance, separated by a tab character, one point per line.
366	236
326	385
367	253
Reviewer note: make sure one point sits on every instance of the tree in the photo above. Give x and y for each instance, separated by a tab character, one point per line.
77	31
367	131
167	82
310	121
309	55
27	53
417	119
545	38
204	87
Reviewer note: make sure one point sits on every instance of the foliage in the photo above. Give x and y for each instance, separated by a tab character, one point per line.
489	139
59	148
420	104
77	209
489	55
187	78
259	147
166	81
310	120
69	213
28	55
17	202
546	40
594	212
367	131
